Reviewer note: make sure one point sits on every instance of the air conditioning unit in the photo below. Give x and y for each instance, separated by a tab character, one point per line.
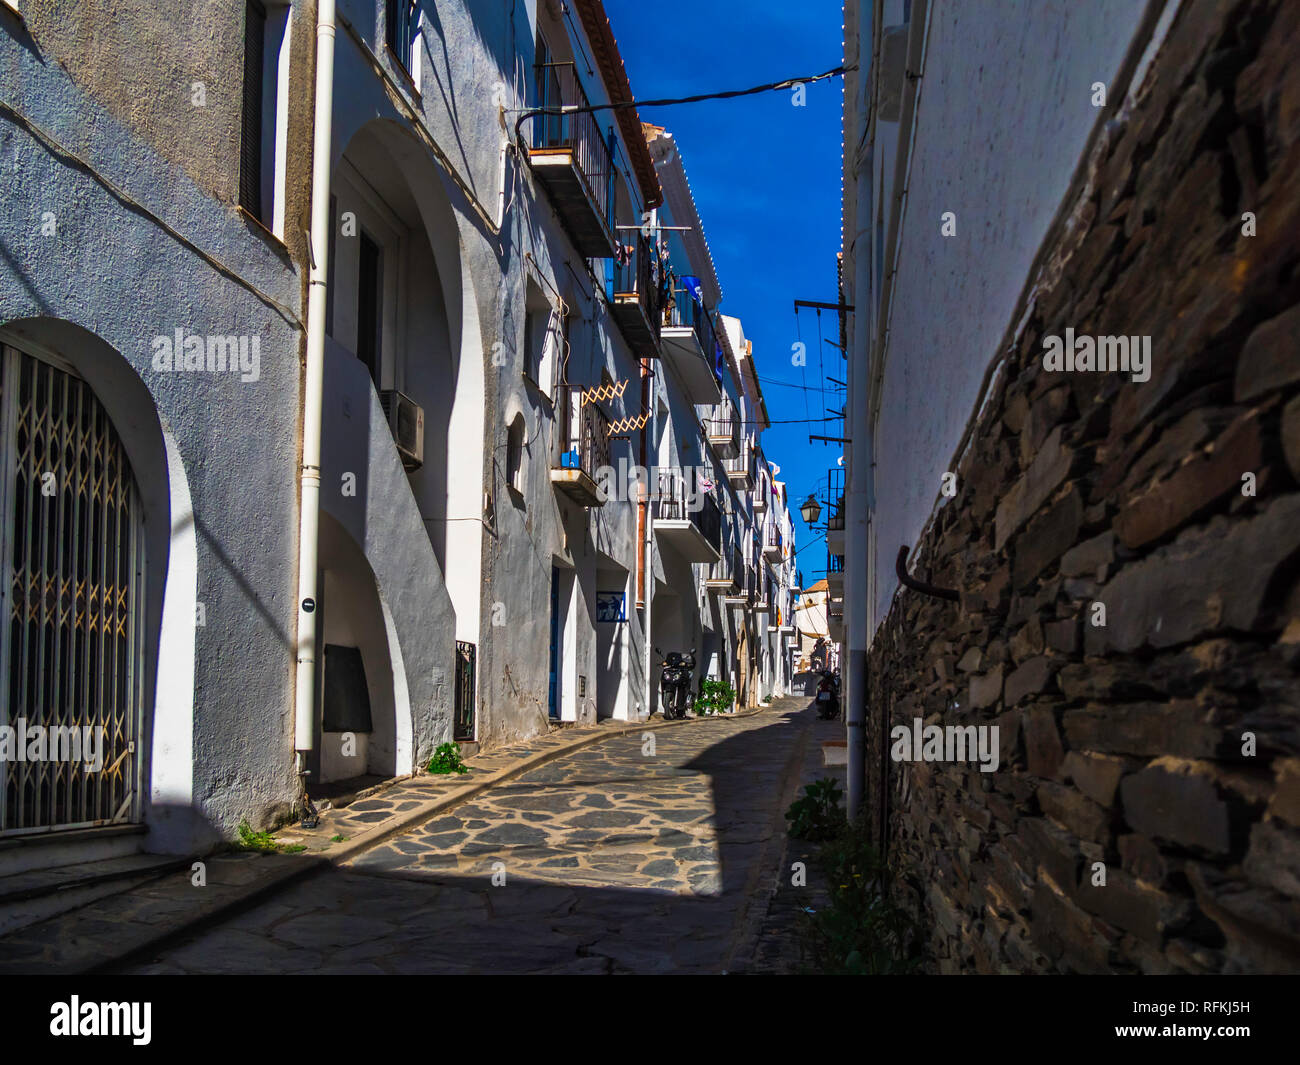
406	422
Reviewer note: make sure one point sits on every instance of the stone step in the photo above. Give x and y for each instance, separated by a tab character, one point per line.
36	895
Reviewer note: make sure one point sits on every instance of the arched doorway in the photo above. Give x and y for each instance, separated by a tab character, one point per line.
401	303
72	584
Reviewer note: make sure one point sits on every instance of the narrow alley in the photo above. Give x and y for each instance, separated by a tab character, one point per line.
608	859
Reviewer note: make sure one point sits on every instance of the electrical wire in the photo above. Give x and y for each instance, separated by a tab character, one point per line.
729	94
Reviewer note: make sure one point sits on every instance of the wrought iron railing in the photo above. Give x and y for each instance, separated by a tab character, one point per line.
729	567
685	311
637	269
680	497
723	423
835	499
745	462
559	91
588	445
773	539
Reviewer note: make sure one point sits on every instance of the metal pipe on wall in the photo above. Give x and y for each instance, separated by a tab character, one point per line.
314	384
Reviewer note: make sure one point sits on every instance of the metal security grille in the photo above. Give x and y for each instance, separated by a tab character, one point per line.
466	655
72	581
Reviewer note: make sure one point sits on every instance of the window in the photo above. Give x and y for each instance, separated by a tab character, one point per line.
515	455
403	34
263	141
545	336
250	141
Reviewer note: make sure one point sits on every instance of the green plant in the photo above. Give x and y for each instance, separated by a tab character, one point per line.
264	842
715	697
861	930
817	815
446	759
338	839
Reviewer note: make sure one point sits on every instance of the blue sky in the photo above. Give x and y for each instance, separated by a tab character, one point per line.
766	179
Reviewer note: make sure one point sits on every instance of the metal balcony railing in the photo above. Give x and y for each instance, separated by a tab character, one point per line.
559	89
685	311
680	497
587	448
744	463
835	499
637	270
773	540
729	569
723	423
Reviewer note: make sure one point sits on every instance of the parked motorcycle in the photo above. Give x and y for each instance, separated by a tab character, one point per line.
828	696
675	682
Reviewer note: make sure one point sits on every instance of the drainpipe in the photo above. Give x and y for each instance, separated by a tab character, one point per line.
647	541
314	385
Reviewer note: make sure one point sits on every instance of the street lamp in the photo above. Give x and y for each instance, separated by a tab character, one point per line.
811	511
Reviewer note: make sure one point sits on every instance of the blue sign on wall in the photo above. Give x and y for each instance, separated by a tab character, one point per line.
611	606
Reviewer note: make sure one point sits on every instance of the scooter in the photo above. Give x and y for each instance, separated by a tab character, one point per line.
675	683
828	697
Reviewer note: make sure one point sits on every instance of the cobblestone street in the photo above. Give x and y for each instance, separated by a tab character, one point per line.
614	860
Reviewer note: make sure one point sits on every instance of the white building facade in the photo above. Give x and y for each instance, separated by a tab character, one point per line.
506	330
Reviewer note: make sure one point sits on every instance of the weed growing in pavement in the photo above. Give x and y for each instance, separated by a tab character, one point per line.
817	815
861	931
264	842
446	759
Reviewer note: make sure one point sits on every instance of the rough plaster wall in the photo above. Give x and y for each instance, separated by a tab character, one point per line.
140	61
1003	116
382	517
242	487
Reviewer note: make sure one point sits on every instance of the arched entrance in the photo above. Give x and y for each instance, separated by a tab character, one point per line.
72	584
401	303
363	726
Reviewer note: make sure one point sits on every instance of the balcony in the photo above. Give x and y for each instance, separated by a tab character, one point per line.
723	430
835	517
687	518
725	576
762	495
835	574
571	160
773	544
743	596
688	344
762	603
835	619
635	296
742	471
586	450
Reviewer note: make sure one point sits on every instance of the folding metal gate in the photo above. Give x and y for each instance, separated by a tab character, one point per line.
72	590
466	662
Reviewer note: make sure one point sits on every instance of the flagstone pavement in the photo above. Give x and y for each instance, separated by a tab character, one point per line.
654	850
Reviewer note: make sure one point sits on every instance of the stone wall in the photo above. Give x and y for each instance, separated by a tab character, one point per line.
1126	747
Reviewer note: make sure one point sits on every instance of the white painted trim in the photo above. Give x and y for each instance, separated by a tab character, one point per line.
171	759
279	184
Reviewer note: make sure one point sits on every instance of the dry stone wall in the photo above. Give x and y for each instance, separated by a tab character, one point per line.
1160	749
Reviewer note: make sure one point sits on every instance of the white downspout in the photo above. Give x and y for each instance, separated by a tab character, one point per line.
650	547
314	387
